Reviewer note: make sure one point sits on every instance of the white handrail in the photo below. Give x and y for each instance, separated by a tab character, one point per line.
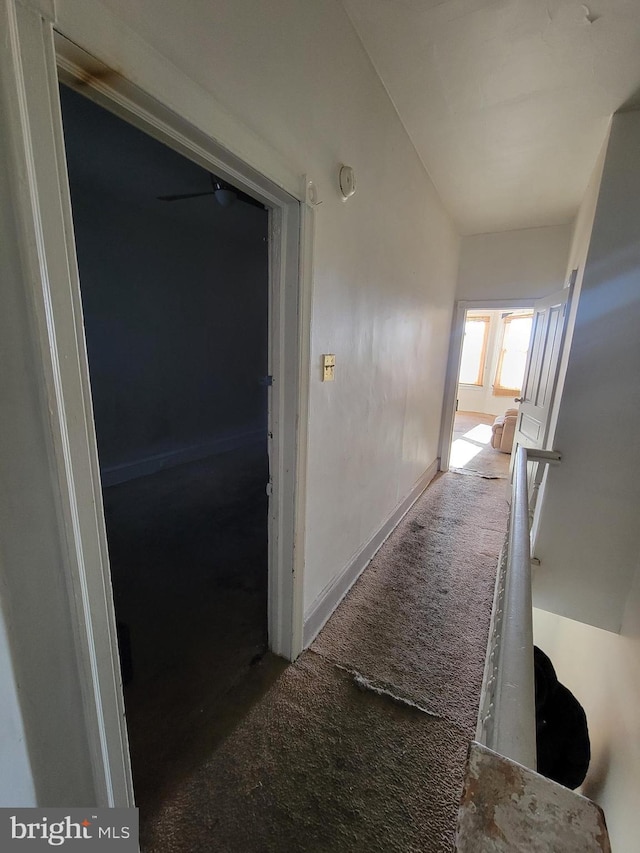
507	722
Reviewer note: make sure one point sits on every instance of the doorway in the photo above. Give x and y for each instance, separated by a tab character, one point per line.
47	327
174	279
491	344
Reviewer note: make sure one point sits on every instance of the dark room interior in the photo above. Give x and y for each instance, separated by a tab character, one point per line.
175	303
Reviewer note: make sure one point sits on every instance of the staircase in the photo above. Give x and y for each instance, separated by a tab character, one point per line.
505	804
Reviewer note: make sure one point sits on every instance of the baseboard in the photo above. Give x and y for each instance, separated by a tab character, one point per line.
152	464
322	608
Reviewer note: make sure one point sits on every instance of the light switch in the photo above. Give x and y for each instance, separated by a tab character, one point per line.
328	367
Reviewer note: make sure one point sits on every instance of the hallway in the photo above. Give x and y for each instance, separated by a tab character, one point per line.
360	744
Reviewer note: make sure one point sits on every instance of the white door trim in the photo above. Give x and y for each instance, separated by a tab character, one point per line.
47	245
453	363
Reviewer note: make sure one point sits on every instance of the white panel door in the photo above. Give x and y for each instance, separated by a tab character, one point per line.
541	372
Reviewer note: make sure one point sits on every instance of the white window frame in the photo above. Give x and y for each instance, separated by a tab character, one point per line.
486	320
498	389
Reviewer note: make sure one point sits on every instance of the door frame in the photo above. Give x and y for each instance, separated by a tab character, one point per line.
39	53
453	363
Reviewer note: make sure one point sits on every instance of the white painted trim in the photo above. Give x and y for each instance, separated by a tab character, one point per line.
45	8
284	366
43	210
61	366
111	43
116	474
451	384
307	233
496	304
331	596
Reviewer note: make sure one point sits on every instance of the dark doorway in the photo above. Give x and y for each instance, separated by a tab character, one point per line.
175	302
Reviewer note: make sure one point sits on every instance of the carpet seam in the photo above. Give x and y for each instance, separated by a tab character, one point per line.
395	697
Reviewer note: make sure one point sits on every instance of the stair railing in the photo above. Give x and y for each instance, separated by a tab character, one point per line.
505	804
506	721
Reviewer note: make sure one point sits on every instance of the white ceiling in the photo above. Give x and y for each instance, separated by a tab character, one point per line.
507	101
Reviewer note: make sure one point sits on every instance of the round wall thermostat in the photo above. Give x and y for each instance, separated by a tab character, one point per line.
347	180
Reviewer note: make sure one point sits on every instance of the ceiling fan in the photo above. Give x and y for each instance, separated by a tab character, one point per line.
224	193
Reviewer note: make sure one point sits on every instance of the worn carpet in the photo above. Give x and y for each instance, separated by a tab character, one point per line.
360	745
418	617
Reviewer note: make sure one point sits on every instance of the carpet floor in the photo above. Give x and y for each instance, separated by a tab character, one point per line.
188	554
471	449
360	745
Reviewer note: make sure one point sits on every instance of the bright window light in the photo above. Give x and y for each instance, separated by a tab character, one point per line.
480	433
513	354
462	452
474	349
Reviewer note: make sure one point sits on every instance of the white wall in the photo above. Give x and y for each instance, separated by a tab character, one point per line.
602	669
287	86
527	263
16	778
579	248
589	537
385	262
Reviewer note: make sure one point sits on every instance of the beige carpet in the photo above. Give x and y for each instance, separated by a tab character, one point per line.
471	449
418	617
360	745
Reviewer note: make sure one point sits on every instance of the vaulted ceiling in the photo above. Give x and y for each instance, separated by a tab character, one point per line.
507	101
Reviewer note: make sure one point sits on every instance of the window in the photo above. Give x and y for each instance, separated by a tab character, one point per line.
516	331
474	350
